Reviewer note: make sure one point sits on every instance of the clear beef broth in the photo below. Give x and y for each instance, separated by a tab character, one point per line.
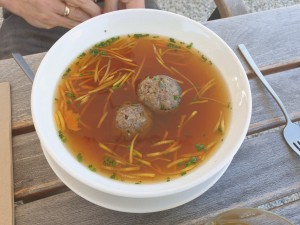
177	141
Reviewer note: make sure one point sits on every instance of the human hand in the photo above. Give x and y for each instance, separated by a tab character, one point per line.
50	13
112	5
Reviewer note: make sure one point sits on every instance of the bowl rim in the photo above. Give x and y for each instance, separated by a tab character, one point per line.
129	189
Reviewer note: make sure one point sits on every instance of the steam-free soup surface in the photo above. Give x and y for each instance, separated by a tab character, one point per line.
105	77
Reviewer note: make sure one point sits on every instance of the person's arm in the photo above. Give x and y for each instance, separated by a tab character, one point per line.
50	13
3	3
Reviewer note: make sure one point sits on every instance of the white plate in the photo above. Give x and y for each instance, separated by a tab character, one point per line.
132	205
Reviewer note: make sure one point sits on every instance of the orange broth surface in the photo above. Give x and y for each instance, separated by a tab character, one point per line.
105	77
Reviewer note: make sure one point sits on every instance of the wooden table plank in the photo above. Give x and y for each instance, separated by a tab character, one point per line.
272	37
264	169
62	211
33	176
265	111
290	211
21	91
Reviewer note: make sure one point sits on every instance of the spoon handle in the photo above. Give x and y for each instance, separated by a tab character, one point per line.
253	65
24	66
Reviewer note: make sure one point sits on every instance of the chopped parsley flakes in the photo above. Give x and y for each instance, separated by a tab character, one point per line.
62	136
200	147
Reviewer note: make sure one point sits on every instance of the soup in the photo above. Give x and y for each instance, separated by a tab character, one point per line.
105	81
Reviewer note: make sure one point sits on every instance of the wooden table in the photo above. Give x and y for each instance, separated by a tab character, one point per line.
264	173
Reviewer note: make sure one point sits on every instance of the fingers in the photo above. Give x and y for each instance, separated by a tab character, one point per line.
78	14
55	21
57	18
112	5
52	13
87	6
69	16
129	4
65	22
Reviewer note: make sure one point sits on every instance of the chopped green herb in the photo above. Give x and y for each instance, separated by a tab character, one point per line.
161	84
172	46
66	72
168	179
209	62
192	161
138	182
94	51
115	87
140	35
81	74
176	97
103	53
92	168
62	136
107	42
172	40
79	157
189	46
203	57
229	106
156	78
56	99
81	55
108	161
70	94
162	107
113	176
220	130
183	173
200	147
156	36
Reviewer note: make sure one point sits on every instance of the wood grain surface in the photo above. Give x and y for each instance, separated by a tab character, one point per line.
6	159
272	37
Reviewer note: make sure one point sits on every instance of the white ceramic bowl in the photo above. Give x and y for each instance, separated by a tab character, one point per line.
129	22
133	205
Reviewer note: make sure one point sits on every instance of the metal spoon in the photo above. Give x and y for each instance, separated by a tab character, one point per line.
23	65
